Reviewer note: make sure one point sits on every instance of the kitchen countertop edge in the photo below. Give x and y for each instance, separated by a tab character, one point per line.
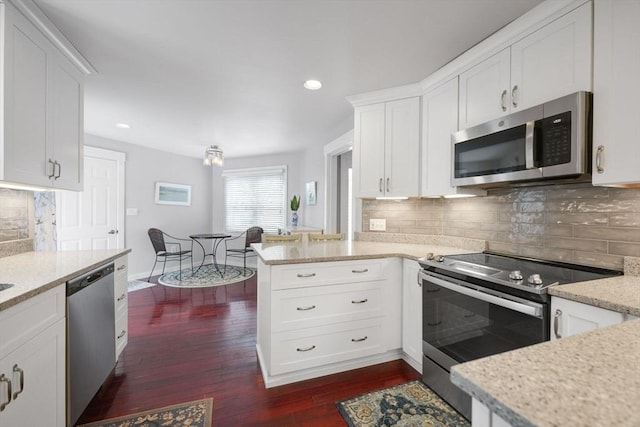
49	284
565	367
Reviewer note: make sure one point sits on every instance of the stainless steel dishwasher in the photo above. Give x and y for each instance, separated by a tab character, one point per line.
90	337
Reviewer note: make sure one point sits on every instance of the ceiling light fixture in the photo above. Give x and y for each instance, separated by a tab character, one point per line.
213	156
122	126
312	84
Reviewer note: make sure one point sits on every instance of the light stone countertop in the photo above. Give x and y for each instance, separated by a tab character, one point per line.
590	379
301	252
33	273
621	293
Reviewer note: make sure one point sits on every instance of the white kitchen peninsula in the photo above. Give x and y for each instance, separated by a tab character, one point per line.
328	307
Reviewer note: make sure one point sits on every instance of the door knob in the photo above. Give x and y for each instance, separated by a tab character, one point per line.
113	231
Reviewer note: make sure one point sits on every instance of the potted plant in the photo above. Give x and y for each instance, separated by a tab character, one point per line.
295	205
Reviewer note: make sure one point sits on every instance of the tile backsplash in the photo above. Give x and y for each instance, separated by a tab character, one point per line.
571	223
16	209
16	221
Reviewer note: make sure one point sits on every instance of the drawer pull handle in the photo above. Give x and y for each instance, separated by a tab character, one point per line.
359	339
362	301
364	270
556	319
4	379
122	267
123	296
21	381
302	275
310	307
122	334
306	349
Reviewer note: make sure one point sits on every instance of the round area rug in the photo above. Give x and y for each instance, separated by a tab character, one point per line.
206	276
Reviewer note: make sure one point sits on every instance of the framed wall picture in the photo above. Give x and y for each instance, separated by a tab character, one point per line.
173	194
311	193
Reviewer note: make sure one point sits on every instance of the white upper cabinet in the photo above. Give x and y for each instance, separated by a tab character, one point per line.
439	121
43	109
484	90
386	149
616	62
549	63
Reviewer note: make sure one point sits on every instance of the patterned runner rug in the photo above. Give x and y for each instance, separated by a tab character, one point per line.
192	414
408	405
206	276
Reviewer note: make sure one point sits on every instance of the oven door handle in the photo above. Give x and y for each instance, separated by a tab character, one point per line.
500	301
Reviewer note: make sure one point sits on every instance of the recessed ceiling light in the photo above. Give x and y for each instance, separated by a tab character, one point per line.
312	84
122	126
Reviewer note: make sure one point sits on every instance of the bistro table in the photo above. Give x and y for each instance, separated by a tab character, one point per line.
216	238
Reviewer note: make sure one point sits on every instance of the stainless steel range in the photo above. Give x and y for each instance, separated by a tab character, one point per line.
480	304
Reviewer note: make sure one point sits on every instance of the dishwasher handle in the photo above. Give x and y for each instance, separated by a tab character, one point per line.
81	282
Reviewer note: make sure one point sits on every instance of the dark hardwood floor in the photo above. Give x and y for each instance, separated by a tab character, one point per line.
189	344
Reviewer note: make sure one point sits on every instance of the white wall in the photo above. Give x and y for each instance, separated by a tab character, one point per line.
313	170
145	166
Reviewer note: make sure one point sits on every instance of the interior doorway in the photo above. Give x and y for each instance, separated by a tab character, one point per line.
344	194
340	211
94	218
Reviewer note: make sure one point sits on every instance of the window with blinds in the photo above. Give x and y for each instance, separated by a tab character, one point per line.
255	197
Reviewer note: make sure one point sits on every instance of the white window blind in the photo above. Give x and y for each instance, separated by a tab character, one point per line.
255	197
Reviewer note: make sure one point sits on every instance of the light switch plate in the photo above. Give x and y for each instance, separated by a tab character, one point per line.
377	224
132	211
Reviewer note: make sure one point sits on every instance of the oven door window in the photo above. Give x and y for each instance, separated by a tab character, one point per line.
466	328
499	152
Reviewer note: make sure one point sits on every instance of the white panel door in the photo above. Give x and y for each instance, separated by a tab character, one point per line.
553	61
402	147
25	93
93	219
616	68
368	150
484	90
66	127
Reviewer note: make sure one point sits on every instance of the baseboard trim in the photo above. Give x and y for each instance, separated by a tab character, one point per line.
320	371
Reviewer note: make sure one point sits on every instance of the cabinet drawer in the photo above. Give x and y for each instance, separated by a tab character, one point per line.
121	303
122	333
318	306
313	347
121	274
26	319
326	273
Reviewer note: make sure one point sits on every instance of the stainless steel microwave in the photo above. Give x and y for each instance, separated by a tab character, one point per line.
549	141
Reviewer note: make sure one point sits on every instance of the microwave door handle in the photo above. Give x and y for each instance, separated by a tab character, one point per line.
534	311
528	145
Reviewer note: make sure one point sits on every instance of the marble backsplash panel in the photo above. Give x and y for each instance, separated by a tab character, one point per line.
572	223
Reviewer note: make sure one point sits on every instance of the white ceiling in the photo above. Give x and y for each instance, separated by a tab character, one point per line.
189	73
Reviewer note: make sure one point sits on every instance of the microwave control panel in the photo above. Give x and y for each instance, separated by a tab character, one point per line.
555	135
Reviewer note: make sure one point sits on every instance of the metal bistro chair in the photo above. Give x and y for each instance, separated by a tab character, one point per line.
251	235
159	246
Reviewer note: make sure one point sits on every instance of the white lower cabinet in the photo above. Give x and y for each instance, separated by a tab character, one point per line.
411	314
571	317
121	301
320	318
32	361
